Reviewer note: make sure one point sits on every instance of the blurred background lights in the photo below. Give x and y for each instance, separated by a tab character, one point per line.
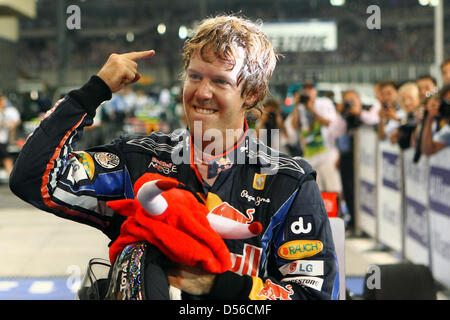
182	32
337	2
130	36
433	3
161	28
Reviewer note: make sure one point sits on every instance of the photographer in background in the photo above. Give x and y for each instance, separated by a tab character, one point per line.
313	118
270	120
438	106
426	85
410	103
351	115
390	113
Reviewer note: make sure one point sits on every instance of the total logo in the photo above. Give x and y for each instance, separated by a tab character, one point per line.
299	249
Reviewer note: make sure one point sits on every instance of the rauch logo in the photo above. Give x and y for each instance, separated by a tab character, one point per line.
299	249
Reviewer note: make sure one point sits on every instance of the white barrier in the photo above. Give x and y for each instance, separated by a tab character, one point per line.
417	248
366	181
439	215
404	205
390	211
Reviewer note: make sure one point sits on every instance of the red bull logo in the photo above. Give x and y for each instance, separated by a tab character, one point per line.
273	291
248	262
228	211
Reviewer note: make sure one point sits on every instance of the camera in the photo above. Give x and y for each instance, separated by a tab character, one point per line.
444	108
347	105
352	120
405	131
304	98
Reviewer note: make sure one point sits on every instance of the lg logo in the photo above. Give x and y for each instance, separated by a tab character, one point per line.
298	227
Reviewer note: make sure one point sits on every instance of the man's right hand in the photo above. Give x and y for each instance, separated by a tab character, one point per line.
121	69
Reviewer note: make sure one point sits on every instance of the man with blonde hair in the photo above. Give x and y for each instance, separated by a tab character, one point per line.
407	115
227	66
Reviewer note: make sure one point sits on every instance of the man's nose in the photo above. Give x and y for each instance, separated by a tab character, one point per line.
204	90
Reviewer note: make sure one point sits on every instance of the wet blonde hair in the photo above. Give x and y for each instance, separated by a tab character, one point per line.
224	34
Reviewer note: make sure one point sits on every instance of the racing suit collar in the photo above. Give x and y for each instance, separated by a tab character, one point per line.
221	162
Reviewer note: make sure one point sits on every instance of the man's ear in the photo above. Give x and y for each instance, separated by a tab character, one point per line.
251	99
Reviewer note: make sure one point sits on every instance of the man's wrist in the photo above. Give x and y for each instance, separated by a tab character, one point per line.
92	94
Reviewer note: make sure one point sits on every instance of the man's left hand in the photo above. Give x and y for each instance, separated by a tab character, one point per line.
192	280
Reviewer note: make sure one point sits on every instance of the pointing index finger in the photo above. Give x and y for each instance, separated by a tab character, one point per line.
139	54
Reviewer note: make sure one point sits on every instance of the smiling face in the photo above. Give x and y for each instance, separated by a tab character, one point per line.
212	96
410	102
425	85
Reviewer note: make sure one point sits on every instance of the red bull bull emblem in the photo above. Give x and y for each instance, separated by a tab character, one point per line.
273	291
228	211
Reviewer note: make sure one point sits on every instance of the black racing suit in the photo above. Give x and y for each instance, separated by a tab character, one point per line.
294	256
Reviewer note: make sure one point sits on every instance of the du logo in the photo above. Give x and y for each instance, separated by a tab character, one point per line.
298	227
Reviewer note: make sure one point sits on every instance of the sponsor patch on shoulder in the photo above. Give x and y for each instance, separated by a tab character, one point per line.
301	225
107	160
299	249
86	160
305	267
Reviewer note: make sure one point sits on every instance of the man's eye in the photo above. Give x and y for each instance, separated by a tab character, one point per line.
221	81
194	76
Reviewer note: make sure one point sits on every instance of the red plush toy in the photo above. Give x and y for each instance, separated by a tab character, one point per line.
178	224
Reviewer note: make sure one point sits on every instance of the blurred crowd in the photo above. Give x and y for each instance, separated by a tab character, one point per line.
356	45
412	114
400	38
